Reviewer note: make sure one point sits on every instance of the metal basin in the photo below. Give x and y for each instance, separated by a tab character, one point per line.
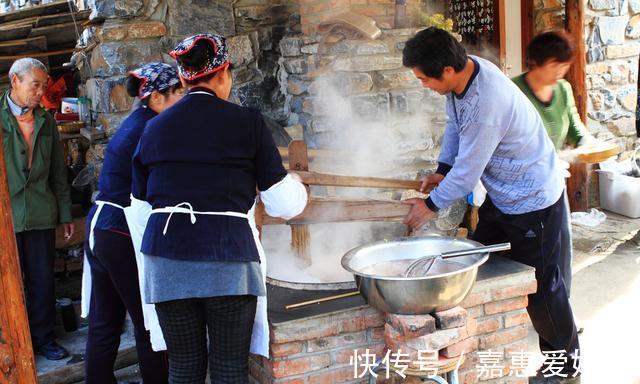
378	269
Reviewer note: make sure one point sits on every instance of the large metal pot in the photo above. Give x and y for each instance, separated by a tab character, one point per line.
378	268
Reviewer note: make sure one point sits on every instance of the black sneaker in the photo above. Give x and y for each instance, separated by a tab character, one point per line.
53	351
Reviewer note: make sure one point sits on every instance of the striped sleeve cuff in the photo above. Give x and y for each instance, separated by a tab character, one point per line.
443	168
431	205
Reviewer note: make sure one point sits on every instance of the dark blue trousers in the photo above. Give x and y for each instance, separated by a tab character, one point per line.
36	250
114	291
536	240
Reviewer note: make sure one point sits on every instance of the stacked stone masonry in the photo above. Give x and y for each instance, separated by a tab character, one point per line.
371	85
142	31
321	349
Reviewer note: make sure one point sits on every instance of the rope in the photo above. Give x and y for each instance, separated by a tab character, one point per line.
72	11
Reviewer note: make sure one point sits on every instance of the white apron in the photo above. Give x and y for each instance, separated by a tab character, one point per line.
139	213
86	269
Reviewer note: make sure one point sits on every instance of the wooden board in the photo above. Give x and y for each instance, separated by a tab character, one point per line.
57	34
597	153
327	210
19	23
314	153
30	44
39	54
80	17
315	178
45	9
14	32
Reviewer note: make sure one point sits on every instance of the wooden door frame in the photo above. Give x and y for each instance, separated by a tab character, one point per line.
500	39
17	364
527	28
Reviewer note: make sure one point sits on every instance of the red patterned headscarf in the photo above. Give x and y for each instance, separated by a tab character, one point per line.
213	63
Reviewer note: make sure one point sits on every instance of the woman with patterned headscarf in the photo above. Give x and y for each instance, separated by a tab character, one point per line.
113	277
199	166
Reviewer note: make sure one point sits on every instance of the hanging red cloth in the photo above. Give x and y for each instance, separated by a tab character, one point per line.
56	90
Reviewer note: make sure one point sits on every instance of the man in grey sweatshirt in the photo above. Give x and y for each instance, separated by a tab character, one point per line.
495	135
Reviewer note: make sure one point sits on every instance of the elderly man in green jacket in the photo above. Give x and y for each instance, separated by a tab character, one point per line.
40	197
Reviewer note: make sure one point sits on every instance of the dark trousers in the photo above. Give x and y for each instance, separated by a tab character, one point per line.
229	321
114	291
536	240
37	250
567	246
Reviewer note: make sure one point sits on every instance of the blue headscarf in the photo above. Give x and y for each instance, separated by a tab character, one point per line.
155	77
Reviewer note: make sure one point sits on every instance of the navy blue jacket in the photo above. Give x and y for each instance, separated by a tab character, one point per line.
115	176
212	154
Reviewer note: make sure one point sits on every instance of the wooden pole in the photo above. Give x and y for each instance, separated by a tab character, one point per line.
322	300
578	183
17	364
526	23
578	187
502	34
574	12
300	235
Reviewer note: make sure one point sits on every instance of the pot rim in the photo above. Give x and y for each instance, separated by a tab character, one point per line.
351	254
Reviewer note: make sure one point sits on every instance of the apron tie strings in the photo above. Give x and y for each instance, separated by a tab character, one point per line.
189	210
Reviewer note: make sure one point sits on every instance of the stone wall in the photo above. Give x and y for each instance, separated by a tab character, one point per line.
612	29
142	31
283	72
355	95
276	70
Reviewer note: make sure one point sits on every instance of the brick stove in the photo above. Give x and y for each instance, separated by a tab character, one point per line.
313	345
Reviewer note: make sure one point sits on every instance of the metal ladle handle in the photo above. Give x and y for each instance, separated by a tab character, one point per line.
409	271
471	251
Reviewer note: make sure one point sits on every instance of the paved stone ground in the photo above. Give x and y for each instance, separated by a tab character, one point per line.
605	298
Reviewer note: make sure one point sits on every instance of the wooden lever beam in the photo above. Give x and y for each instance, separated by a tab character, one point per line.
328	210
315	178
